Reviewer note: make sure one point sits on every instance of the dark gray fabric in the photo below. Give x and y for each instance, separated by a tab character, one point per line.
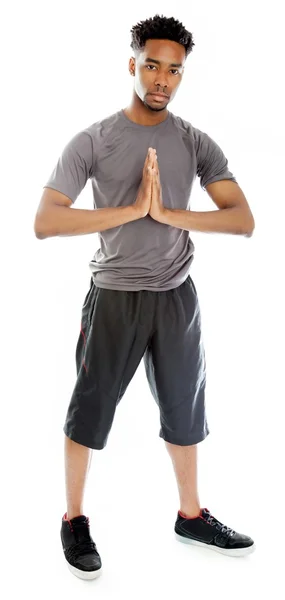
118	329
142	254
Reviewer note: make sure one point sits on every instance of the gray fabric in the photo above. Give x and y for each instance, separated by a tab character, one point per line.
118	329
142	254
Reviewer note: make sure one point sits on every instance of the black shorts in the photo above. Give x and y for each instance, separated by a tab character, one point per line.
118	329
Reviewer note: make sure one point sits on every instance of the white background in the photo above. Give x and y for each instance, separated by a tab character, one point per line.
65	66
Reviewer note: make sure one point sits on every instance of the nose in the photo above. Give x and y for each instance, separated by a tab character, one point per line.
161	83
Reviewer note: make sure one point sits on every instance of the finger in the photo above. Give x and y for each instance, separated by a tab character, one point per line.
149	175
151	181
150	166
155	163
156	166
156	179
150	160
146	162
150	157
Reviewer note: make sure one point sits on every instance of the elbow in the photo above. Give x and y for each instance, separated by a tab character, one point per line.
40	230
250	227
40	236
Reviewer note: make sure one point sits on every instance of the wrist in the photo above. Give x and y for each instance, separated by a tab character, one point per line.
165	215
138	214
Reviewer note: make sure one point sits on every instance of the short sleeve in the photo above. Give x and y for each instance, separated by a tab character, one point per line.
212	165
74	166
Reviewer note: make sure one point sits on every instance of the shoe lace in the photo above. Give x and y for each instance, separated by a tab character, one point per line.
84	543
220	526
80	548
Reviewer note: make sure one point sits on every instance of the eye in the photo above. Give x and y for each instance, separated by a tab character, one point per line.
174	71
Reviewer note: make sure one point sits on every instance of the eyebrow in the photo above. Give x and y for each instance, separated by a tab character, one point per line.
158	62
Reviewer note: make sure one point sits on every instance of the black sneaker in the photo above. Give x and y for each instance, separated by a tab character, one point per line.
208	532
79	548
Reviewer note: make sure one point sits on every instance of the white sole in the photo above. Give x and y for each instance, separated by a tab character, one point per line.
84	574
234	552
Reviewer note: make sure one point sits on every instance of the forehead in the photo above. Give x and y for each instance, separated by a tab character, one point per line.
165	51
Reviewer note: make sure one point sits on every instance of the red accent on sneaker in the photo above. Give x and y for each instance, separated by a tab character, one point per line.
69	521
186	517
200	516
66	519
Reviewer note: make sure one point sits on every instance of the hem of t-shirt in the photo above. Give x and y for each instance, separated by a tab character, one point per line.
58	190
125	288
218	178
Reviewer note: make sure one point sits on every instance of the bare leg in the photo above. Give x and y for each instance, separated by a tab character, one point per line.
77	465
184	459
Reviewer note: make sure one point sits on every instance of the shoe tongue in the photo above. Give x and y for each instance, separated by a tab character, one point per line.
80	528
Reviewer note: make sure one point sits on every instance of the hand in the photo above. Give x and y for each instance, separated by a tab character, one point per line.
157	210
143	199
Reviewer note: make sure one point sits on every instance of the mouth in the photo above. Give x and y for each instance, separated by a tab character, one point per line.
159	97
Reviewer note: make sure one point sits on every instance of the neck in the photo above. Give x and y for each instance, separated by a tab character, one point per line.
140	114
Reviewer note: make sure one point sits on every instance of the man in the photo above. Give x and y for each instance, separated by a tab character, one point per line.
142	162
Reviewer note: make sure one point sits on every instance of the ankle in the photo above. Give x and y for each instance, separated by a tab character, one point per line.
70	514
191	512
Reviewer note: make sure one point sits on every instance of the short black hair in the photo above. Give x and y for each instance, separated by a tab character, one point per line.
161	28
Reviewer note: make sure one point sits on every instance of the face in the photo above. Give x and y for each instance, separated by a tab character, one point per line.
158	69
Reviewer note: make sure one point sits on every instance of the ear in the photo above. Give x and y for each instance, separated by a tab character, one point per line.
132	65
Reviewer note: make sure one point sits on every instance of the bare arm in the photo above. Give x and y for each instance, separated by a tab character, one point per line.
56	217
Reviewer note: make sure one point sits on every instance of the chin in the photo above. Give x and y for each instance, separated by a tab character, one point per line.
155	108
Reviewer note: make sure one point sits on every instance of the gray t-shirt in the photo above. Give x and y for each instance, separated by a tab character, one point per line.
142	254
